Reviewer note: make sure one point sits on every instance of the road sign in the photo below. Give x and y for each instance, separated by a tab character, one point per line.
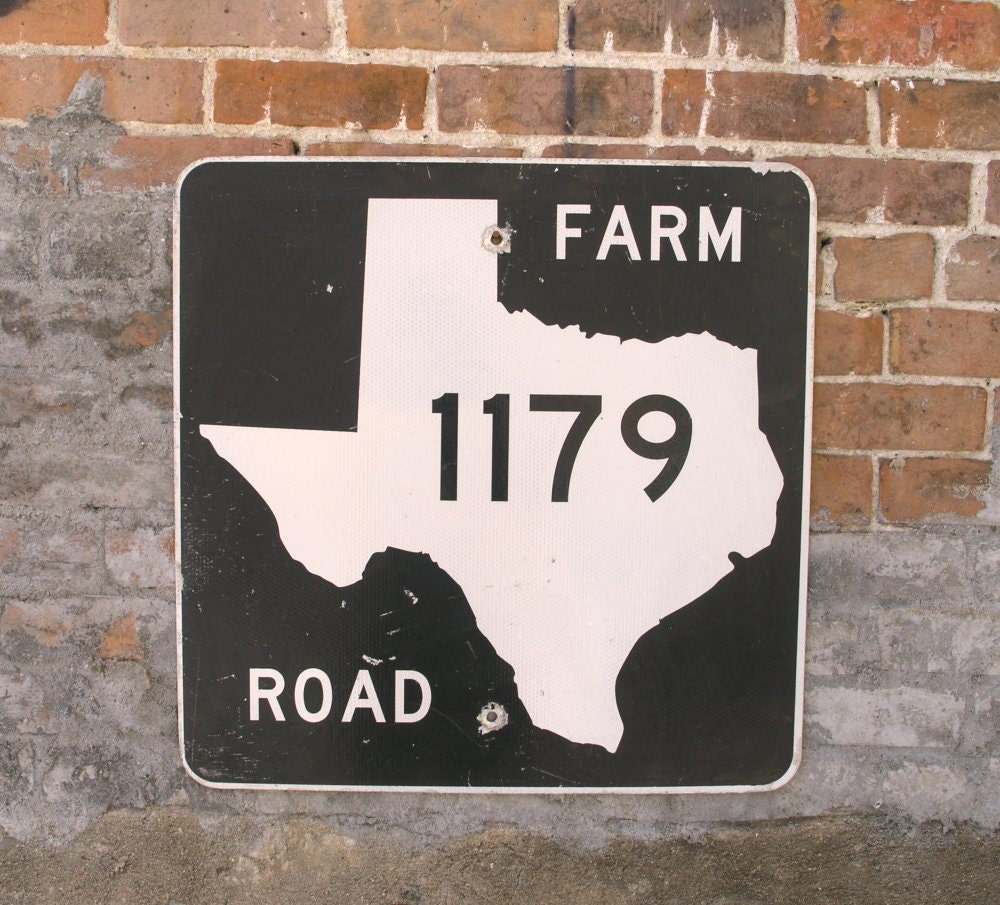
492	474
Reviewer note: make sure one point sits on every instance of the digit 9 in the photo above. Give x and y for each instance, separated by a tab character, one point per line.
674	449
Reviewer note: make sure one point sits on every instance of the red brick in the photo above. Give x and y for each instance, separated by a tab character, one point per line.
887	416
524	100
973	269
848	345
239	23
642	152
157	396
768	106
684	98
83	22
137	162
945	342
456	25
376	149
144	329
752	28
915	33
841	492
121	641
319	94
920	114
884	269
913	490
993	192
154	91
913	192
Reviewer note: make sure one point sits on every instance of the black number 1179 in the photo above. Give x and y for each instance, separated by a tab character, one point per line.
673	451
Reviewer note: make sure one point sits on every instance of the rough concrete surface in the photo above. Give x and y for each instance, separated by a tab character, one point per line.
166	855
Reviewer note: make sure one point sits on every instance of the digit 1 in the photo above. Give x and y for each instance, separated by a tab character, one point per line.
499	408
447	407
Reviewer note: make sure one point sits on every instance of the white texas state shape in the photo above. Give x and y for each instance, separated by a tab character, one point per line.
562	590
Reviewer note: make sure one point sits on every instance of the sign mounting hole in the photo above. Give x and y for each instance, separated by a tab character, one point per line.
492	718
497	239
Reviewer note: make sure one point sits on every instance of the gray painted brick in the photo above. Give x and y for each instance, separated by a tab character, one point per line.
891	717
985	567
20	238
832	648
852	573
61	477
928	790
982	722
29	396
75	340
55	553
23	708
141	557
913	641
99	245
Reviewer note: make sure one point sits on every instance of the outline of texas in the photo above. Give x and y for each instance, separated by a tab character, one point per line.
562	590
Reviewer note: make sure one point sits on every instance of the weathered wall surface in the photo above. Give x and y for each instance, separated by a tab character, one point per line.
893	110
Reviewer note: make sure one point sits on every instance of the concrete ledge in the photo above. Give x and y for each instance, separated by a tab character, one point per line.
165	855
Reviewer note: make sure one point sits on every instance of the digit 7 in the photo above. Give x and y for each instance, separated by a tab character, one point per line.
589	408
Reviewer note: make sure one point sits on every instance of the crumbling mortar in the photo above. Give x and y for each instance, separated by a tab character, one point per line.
563	49
112	30
886	341
790	44
337	19
873	117
877	522
862	309
939	280
981	455
639	60
431	104
533	145
208	91
978	193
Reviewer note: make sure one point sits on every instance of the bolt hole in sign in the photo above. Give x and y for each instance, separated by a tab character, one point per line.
492	475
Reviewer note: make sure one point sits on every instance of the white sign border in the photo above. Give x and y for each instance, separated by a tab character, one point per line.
762	167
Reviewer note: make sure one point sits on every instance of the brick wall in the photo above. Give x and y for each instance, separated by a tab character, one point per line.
891	108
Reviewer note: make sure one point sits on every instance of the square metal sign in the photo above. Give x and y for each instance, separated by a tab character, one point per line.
492	475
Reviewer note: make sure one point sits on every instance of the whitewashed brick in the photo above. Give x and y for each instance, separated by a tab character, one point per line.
927	791
143	558
831	648
910	641
893	717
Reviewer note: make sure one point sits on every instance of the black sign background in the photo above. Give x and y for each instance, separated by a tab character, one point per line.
708	697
